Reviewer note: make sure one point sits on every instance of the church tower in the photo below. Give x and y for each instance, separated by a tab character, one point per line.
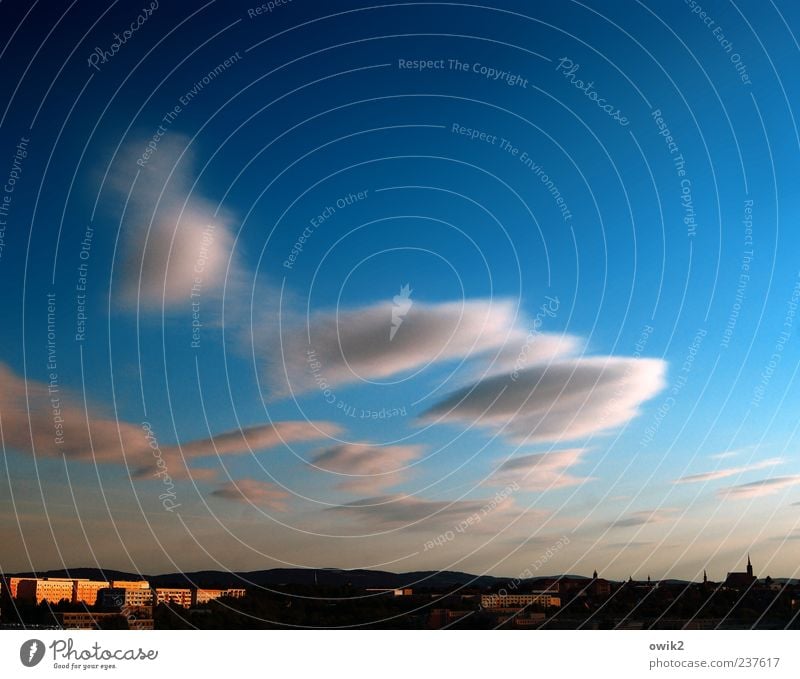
749	566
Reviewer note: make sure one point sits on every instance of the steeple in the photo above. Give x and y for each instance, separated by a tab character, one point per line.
749	566
594	575
705	577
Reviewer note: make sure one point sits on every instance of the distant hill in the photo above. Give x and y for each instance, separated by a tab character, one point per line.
325	577
328	577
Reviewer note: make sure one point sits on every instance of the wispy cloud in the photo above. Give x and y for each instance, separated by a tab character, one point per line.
403	511
560	401
724	456
541	471
241	442
643	517
367	467
29	426
174	237
730	471
759	488
252	491
355	345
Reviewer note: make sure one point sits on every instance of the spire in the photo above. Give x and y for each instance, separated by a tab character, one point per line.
705	577
749	566
594	575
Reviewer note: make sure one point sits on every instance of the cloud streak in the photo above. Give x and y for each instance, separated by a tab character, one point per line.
731	471
366	467
760	488
354	345
541	471
643	518
387	512
252	491
29	426
560	401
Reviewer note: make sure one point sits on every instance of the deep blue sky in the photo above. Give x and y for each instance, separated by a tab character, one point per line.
315	107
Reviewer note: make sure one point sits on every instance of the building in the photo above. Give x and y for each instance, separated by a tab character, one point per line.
85	591
400	591
599	586
741	580
88	620
13	584
51	590
131	584
542	598
120	597
181	596
203	596
440	618
525	621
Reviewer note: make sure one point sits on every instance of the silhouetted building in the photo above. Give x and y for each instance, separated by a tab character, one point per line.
91	620
741	580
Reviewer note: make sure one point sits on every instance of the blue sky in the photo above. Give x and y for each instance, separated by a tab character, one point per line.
591	341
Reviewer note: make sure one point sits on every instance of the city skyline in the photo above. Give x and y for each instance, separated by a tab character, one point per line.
350	288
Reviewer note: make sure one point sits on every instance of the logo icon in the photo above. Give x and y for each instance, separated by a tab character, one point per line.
31	652
400	306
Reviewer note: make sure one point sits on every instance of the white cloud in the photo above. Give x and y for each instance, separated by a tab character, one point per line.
29	425
759	488
559	401
404	511
254	492
731	471
366	467
237	442
541	471
354	345
173	237
643	517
